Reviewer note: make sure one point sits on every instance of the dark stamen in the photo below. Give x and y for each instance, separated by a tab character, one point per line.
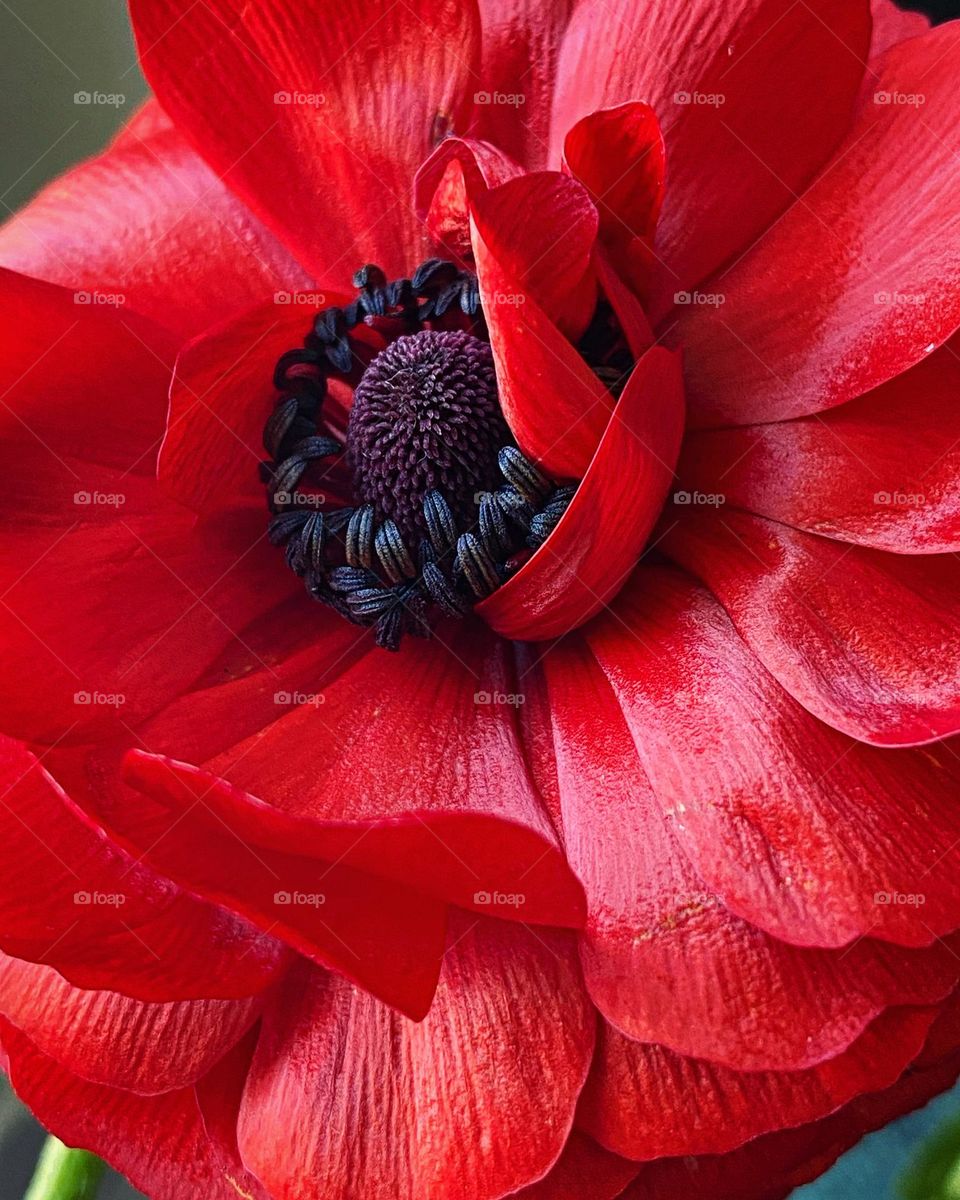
433	464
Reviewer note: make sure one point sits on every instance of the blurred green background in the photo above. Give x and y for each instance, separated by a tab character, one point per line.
51	51
53	54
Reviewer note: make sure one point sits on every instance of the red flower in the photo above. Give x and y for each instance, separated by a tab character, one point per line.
640	880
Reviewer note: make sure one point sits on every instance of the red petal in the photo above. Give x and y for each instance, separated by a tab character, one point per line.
891	25
664	958
157	1142
521	42
537	233
53	351
555	405
220	1091
626	306
107	1038
149	221
382	936
71	900
331	111
379	1104
770	1167
618	154
861	278
601	535
221	396
881	471
458	168
796	826
186	592
635	1091
750	71
867	641
584	1169
454	813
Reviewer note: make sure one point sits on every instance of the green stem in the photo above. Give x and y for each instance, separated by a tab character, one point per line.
64	1174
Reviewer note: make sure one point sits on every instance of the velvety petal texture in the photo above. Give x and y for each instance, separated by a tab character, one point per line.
178	1161
106	1038
882	470
666	957
306	112
865	640
72	900
636	1090
345	1100
858	281
148	223
457	817
797	827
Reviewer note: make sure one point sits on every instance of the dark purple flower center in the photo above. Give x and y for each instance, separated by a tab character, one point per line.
425	418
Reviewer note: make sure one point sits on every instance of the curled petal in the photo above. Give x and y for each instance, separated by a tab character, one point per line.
600	537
